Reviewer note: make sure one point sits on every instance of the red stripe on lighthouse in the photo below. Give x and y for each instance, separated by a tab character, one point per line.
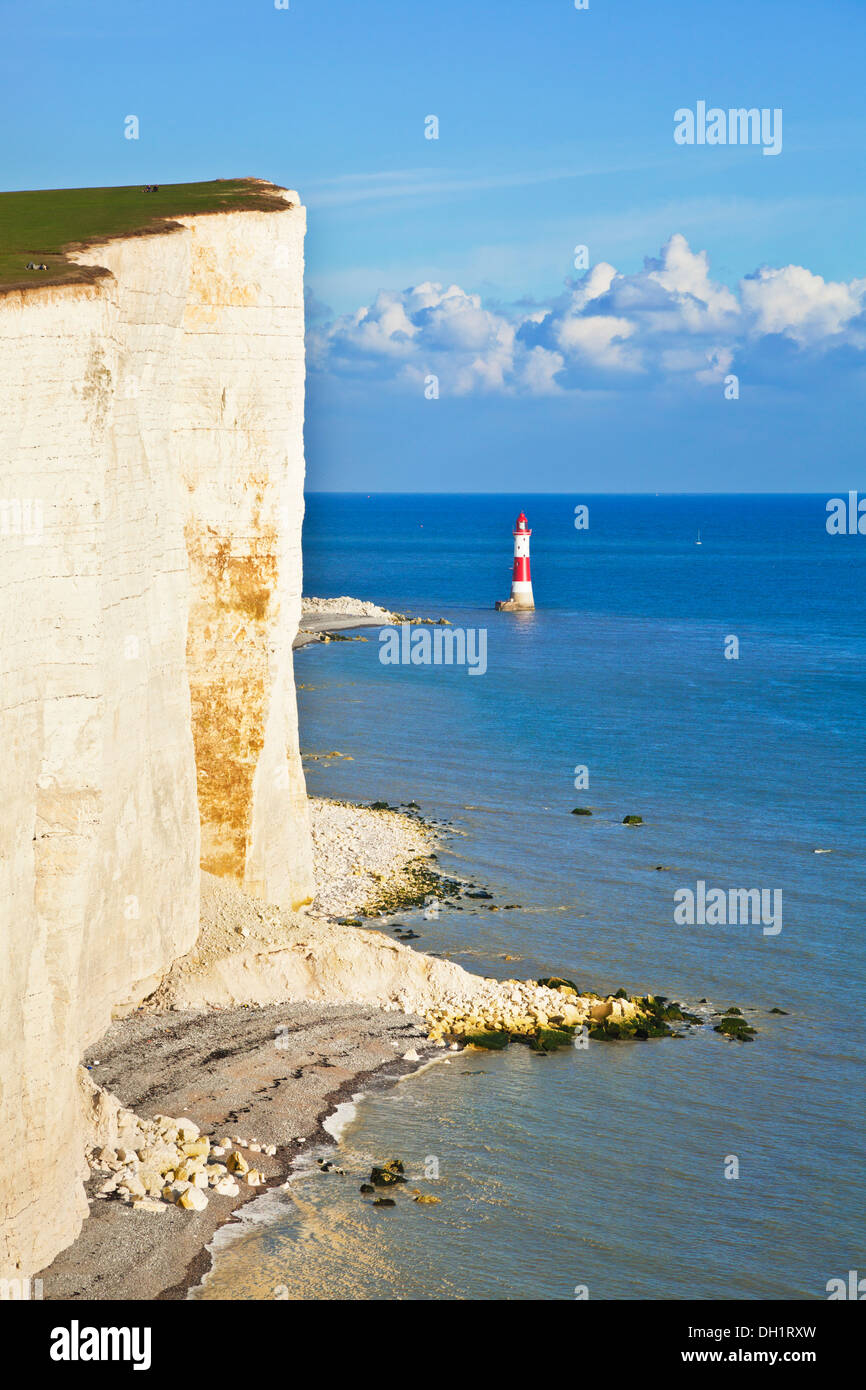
521	569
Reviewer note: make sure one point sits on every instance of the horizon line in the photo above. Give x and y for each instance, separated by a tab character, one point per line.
394	492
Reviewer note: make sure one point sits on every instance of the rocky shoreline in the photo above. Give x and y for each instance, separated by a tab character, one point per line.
369	859
326	619
207	1094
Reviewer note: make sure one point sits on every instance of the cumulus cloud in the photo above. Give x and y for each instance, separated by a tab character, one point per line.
668	322
801	305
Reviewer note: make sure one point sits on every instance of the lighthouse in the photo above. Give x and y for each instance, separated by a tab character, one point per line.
521	580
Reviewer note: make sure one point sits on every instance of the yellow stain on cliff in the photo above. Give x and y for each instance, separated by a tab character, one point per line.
229	684
211	290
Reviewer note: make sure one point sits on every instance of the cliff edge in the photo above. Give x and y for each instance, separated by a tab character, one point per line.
150	576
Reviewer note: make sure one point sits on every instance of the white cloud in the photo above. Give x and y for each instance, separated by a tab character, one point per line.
669	321
803	306
598	340
685	275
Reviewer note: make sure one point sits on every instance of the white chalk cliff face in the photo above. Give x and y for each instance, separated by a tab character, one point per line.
151	475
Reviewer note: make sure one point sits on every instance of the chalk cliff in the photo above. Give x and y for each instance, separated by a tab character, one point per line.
150	577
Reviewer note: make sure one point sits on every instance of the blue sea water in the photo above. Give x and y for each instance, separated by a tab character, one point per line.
605	1167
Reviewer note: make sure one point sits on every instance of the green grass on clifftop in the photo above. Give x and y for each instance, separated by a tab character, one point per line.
40	226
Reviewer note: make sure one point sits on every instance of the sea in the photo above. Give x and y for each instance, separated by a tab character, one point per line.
718	691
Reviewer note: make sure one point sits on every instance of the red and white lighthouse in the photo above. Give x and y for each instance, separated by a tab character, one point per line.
521	579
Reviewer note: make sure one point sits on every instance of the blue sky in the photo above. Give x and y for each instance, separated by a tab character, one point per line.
555	129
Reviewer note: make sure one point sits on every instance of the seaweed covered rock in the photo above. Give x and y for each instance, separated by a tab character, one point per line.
545	1013
733	1026
549	1039
557	982
494	1039
608	1032
685	1016
651	1027
641	1018
387	1174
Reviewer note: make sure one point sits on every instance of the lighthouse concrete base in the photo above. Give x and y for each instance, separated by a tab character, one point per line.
515	605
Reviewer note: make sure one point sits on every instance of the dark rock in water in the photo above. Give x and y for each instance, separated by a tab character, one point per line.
380	806
736	1027
663	868
732	1009
581	811
702	1001
632	820
659	1011
480	893
492	1039
620	994
409	936
779	1011
557	982
386	1174
367	1187
678	1014
382	1178
384	1202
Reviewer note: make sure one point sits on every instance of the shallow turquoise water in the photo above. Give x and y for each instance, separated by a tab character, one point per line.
604	1168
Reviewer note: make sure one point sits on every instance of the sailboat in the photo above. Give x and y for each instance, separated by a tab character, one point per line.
698	541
